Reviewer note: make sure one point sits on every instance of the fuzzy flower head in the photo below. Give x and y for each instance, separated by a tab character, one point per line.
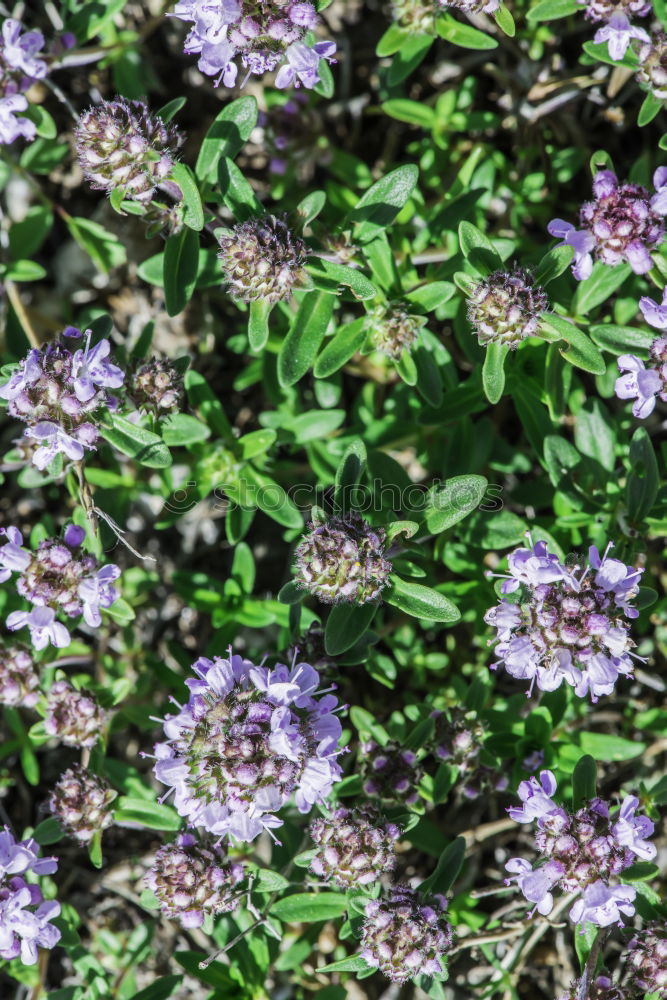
586	852
416	16
19	678
81	802
405	935
342	561
355	847
506	307
605	10
392	329
470	6
390	772
73	717
59	392
566	623
646	381
647	960
623	222
247	739
157	386
24	914
122	146
261	260
192	880
652	72
56	578
264	37
618	33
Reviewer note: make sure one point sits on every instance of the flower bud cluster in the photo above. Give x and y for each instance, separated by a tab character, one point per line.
58	392
81	801
295	137
390	772
342	560
157	385
73	717
652	72
585	851
19	679
246	741
405	935
393	329
56	578
265	36
261	259
192	880
623	222
354	846
506	307
122	146
647	960
25	916
566	623
457	739
20	67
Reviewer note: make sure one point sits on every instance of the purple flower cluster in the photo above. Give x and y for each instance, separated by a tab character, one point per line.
566	623
623	222
647	960
264	35
390	772
73	717
584	852
20	67
19	679
617	29
641	382
458	739
405	935
192	880
248	739
56	578
354	846
56	391
24	914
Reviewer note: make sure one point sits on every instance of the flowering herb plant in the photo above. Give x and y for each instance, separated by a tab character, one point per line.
333	385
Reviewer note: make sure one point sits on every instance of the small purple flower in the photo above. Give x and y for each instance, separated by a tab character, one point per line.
535	884
654	314
581	241
91	368
631	831
644	382
24	915
536	797
569	625
302	64
618	33
11	127
44	628
604	905
18	53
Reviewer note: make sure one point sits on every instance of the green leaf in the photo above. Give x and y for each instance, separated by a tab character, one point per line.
310	207
551	10
152	815
581	351
641	871
420	601
332	275
554	263
462	34
392	40
594	434
90	20
505	21
478	248
161	989
406	368
380	205
169	110
345	625
290	593
651	106
105	250
410	55
493	371
584	781
24	270
603	282
202	398
413	112
95	849
258	324
255	443
236	192
120	611
307	332
193	214
448	867
458	498
621	339
309	907
230	130
133	440
348	475
355	963
49	831
325	87
644	479
181	255
431	295
607	747
268	881
183	429
340	348
44	123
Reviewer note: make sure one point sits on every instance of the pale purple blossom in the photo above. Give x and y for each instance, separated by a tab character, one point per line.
645	382
604	905
566	624
232	770
631	831
43	626
24	914
619	33
536	797
581	241
654	314
19	56
535	884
